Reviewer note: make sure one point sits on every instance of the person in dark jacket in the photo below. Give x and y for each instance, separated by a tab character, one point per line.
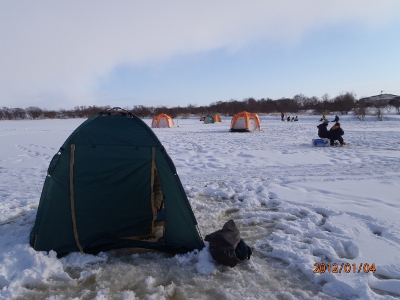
336	119
323	132
335	134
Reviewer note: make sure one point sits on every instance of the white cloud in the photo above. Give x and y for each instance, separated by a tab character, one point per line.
60	48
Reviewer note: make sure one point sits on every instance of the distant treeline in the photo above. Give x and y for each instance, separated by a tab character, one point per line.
341	104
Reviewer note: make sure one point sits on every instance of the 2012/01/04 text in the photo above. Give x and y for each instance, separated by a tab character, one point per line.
344	268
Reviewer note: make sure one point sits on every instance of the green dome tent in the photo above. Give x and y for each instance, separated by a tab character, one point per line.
112	185
208	119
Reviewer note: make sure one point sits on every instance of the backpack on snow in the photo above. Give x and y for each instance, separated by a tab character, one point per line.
226	246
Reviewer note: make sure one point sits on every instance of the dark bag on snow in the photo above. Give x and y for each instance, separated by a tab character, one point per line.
243	251
226	246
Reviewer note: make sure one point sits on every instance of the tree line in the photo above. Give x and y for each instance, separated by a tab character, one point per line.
341	104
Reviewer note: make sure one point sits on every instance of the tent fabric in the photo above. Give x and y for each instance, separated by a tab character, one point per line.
208	119
217	118
245	122
100	189
162	121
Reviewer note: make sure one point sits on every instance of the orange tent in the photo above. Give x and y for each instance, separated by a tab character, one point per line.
161	121
217	118
244	122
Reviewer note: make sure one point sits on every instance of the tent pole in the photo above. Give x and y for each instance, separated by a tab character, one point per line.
72	196
153	166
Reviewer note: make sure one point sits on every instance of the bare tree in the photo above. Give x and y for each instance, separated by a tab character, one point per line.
7	113
235	106
61	114
379	106
325	97
360	109
34	112
388	108
268	106
396	104
141	111
51	114
322	107
287	105
379	113
311	102
301	100
18	113
344	103
92	110
80	111
252	104
160	109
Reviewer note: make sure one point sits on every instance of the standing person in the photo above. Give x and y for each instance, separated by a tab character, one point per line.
323	132
282	116
335	134
336	119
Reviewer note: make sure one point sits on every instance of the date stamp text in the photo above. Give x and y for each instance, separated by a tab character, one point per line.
344	268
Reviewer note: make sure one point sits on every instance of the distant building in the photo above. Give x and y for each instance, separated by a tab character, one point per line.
382	97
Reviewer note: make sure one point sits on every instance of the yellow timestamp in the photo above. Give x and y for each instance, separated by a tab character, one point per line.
344	268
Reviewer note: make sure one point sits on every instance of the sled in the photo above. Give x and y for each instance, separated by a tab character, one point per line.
320	143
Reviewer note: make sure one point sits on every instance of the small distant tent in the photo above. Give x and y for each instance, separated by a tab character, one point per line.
162	121
208	119
217	118
112	185
245	122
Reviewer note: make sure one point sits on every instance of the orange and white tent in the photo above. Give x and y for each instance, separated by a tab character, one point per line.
244	122
162	121
217	118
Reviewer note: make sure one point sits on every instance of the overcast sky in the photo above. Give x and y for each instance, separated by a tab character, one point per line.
59	54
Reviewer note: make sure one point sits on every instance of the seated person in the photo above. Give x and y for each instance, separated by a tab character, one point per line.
335	134
323	132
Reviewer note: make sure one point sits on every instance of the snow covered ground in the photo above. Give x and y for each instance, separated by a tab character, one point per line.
296	205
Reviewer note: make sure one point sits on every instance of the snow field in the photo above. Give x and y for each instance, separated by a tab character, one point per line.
296	205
